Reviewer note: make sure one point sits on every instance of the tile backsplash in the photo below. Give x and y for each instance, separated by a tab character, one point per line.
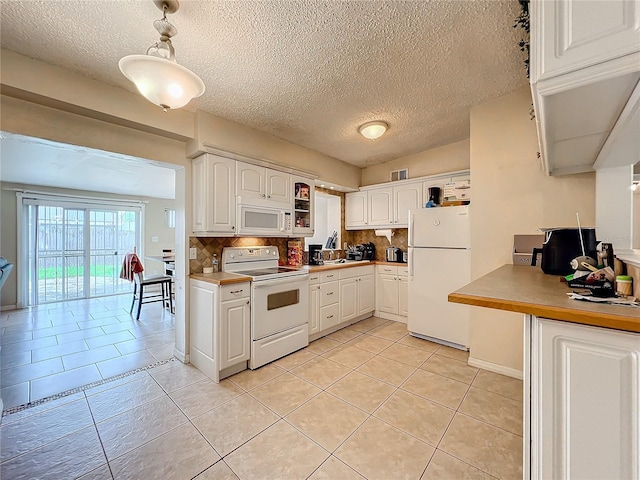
399	239
207	246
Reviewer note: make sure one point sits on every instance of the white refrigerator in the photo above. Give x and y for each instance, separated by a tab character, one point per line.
439	263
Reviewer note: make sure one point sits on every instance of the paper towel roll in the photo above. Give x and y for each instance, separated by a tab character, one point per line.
387	232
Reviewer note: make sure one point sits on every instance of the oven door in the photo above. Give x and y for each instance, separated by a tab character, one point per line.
265	221
278	304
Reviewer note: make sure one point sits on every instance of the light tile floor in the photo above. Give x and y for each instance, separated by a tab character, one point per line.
54	348
368	401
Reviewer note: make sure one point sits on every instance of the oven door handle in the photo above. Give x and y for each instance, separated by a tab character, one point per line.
289	280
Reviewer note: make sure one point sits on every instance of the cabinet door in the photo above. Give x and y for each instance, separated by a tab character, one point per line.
202	300
278	186
585	399
348	299
380	206
199	188
314	309
403	296
569	35
356	209
250	180
366	294
406	197
234	332
387	293
221	202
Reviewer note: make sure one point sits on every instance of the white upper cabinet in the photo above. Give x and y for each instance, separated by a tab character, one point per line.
405	198
574	34
213	185
256	182
380	206
585	68
389	206
356	210
278	186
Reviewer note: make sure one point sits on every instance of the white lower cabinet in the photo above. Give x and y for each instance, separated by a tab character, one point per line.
220	318
392	295
340	296
582	413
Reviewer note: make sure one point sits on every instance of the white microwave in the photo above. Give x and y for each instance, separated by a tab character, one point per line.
257	220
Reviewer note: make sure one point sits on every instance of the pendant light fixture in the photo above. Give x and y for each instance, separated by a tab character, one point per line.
157	75
373	130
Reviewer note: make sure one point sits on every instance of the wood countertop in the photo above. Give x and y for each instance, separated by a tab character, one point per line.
528	290
220	278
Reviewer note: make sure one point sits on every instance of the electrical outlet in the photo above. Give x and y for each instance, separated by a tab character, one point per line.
193	253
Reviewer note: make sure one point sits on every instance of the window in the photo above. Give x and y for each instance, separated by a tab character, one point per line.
328	210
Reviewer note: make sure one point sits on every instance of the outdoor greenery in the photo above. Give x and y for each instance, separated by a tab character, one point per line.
51	273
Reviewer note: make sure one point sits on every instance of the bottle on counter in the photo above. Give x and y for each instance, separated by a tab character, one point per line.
214	263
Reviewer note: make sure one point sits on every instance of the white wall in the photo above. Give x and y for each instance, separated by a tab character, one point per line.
447	158
512	195
614	206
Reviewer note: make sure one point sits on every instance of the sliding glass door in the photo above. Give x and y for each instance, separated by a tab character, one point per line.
76	251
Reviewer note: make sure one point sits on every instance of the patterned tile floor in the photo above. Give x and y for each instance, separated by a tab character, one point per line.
57	347
368	401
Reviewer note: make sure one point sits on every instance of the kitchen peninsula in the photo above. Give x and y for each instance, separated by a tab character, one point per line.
581	375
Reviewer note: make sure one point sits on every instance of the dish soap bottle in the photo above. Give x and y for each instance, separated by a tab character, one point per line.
214	263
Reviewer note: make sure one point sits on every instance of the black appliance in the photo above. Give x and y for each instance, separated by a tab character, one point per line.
366	251
434	195
315	254
562	245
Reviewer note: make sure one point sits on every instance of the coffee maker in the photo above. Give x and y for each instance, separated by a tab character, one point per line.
434	196
315	254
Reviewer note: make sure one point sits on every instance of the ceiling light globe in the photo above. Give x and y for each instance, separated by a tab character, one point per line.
373	130
161	81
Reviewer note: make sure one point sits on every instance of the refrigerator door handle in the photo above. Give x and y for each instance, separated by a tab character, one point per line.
410	260
410	226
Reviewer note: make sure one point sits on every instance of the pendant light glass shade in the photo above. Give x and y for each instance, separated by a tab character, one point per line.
162	81
373	130
157	75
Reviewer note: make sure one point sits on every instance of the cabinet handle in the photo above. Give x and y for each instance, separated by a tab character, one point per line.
330	316
233	227
268	196
313	278
330	293
329	276
263	195
236	291
248	302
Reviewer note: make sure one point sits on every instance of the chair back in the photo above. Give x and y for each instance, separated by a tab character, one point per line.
5	270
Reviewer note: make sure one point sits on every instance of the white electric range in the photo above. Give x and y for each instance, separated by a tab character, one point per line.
279	302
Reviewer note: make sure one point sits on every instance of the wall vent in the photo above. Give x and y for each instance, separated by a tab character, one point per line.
402	174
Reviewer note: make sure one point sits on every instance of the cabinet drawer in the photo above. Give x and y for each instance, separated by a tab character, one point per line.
330	276
329	293
388	269
350	272
235	290
403	271
314	278
329	316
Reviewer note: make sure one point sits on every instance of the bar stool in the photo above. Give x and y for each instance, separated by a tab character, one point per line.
138	292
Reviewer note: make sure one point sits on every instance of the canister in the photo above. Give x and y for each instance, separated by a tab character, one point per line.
624	284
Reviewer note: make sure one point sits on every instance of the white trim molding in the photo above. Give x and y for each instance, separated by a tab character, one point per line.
495	368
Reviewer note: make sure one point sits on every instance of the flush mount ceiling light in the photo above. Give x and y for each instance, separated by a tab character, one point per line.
373	130
157	75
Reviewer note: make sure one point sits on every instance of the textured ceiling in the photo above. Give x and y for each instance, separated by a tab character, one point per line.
308	71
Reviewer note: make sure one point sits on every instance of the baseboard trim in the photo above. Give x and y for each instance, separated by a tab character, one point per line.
8	307
495	368
180	356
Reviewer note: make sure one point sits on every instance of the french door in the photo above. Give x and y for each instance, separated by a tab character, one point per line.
76	251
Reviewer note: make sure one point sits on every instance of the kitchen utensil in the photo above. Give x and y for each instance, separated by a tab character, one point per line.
577	262
588	266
